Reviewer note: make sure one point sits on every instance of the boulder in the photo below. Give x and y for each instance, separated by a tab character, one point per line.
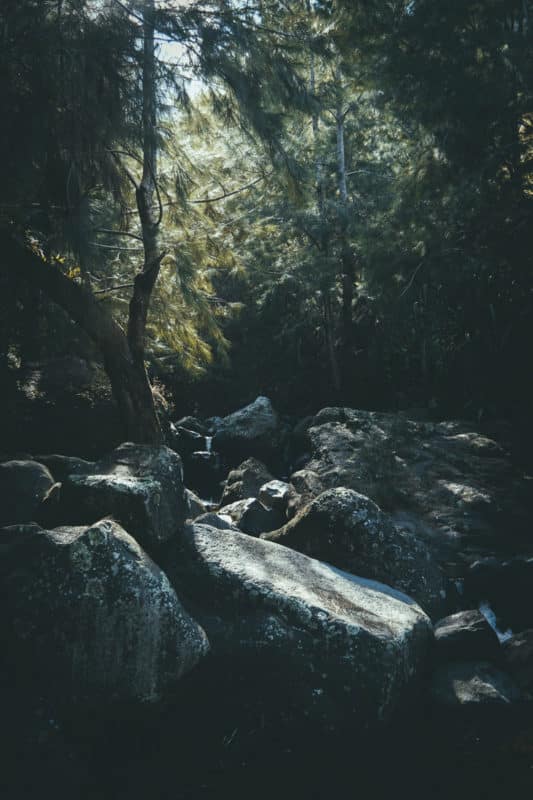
87	617
466	636
472	683
326	645
251	517
138	485
276	495
349	531
518	659
251	431
307	485
26	489
449	484
245	481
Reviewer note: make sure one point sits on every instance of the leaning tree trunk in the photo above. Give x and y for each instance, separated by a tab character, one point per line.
123	353
150	214
131	388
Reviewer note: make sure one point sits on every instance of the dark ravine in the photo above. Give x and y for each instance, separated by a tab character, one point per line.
146	651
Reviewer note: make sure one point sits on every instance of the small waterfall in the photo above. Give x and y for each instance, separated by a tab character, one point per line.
208	442
490	616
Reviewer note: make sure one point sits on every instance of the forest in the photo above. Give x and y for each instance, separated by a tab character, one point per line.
266	330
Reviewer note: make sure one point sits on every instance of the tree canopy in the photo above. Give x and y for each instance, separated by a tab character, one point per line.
321	201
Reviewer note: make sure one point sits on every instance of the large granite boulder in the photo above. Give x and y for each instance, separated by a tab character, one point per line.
251	431
448	484
138	485
87	617
306	636
349	531
26	489
245	481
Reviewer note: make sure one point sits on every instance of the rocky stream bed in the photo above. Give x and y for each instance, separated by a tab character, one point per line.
307	608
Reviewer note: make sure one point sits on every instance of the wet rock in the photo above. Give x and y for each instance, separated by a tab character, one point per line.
138	485
349	531
88	618
245	481
472	684
27	489
251	431
326	644
251	517
466	636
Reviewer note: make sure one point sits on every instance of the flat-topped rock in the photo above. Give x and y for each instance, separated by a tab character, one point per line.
443	481
325	643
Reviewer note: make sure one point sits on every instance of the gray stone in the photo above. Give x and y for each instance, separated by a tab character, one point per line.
450	485
138	485
349	531
276	495
245	481
325	643
250	431
89	618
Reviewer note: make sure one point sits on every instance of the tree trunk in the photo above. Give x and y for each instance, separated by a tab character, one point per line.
123	354
131	388
347	259
330	342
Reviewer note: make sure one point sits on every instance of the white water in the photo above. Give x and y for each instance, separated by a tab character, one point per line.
208	442
490	616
